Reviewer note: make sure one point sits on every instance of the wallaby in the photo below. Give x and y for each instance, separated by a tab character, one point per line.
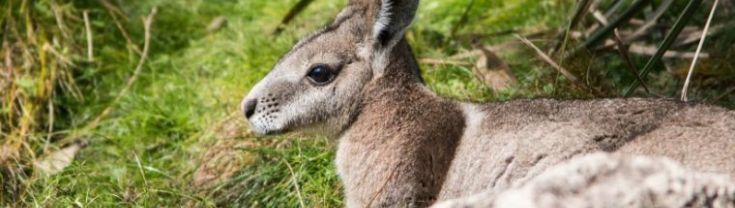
399	144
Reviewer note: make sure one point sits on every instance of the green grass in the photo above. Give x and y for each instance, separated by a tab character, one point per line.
149	149
146	152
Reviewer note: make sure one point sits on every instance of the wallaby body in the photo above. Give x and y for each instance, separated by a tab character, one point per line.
411	147
401	145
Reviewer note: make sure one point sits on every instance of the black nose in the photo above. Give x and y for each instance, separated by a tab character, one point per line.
249	107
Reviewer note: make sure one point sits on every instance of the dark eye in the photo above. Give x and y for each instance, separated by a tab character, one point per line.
320	74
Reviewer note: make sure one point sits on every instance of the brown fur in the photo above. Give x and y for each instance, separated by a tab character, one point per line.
396	153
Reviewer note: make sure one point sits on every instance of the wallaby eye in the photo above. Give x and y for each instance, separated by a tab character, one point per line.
320	74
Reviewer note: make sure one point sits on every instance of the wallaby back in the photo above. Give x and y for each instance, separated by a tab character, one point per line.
517	140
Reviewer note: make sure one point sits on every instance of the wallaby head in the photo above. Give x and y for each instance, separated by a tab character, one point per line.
319	82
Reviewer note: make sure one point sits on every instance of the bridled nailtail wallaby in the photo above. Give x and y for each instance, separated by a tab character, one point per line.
401	145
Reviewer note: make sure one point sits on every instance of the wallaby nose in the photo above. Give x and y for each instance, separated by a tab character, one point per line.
249	107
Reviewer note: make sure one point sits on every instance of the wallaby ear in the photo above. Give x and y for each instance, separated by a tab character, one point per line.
391	21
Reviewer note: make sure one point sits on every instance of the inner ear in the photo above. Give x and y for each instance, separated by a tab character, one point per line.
393	17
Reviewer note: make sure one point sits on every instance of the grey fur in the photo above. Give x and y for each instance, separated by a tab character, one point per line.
401	145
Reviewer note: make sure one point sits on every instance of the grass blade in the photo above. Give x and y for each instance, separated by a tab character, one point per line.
605	32
295	10
651	21
579	13
685	89
623	50
668	40
615	7
463	20
556	66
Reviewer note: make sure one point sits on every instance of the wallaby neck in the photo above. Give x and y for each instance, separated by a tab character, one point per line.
402	66
398	149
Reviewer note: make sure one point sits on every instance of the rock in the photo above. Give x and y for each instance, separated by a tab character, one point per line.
57	161
607	180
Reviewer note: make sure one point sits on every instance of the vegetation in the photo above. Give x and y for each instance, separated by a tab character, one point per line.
155	118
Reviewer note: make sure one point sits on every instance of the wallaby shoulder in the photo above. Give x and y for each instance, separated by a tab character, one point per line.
398	149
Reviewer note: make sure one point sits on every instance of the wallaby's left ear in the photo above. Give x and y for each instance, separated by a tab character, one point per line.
392	19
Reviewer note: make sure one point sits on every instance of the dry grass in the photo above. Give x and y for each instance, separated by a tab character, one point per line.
39	51
42	53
